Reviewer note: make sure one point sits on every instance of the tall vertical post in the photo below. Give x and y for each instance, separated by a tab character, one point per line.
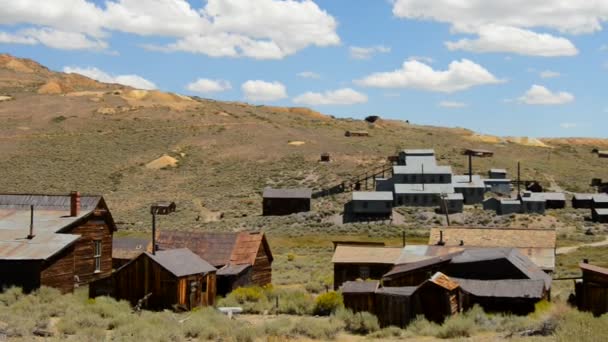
470	167
153	231
422	176
518	179
403	237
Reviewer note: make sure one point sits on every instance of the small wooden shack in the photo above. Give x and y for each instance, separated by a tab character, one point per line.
277	202
582	201
125	249
439	297
359	295
395	306
325	157
372	204
54	240
599	215
356	134
600	201
242	258
417	272
497	174
352	262
176	278
592	290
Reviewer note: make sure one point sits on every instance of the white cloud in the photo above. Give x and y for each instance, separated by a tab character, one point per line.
424	59
309	74
539	95
9	38
359	52
549	74
344	96
134	81
493	38
460	75
568	125
452	104
261	29
260	91
205	85
53	38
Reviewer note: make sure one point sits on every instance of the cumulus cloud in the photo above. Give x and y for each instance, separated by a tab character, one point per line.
452	104
134	81
260	91
53	38
344	96
261	29
309	74
549	74
493	38
539	95
359	52
460	75
475	16
424	59
205	86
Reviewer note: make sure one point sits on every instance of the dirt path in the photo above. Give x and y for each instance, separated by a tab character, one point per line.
570	249
553	186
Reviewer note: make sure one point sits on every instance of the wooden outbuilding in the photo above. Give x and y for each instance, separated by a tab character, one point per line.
497	174
242	259
352	262
417	272
359	295
438	297
599	215
125	249
395	306
600	201
325	157
54	240
582	201
171	279
356	134
277	202
592	290
372	204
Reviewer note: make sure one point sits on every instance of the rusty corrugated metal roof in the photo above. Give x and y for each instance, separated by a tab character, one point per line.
443	281
507	288
360	286
14	245
344	254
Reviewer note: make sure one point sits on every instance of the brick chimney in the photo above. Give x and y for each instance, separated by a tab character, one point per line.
74	203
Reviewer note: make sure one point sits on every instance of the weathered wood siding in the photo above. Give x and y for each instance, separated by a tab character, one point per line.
437	303
94	229
393	310
351	272
358	302
413	278
592	293
262	269
58	272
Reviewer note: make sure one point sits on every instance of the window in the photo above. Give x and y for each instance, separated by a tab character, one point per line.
364	204
97	255
364	272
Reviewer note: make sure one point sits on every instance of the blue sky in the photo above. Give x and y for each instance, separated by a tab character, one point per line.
533	68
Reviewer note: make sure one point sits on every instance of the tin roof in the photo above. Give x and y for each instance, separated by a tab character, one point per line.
462	181
444	281
506	288
595	269
584	197
496	180
219	249
601	211
404	291
549	196
287	193
344	254
421	263
432	188
600	198
505	201
419	152
498	170
457	196
494	237
230	270
181	262
415	168
372	196
129	247
360	286
14	244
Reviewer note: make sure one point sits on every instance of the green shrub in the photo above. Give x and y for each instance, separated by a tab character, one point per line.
386	333
457	326
581	326
327	303
248	294
295	302
320	329
291	257
421	327
358	323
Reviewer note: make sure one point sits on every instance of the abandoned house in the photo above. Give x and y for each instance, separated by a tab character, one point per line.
534	187
533	205
582	201
439	297
599	215
359	295
54	240
278	202
537	244
422	173
416	156
500	186
242	258
372	204
592	290
600	201
497	174
352	262
502	206
421	195
553	200
171	279
602	154
125	249
410	271
325	157
356	134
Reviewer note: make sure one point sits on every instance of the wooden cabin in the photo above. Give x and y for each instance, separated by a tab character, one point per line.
352	262
372	205
359	295
582	201
171	279
438	297
600	201
395	306
416	272
592	290
242	259
599	215
125	249
325	157
56	240
278	202
356	134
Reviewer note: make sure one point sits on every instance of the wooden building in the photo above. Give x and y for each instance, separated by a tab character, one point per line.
395	306
279	202
599	215
497	174
125	249
356	134
600	201
439	297
417	272
537	244
56	240
242	259
359	295
592	290
582	201
372	204
325	157
171	279
352	262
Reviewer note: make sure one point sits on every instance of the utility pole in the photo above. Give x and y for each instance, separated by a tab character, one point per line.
445	208
470	167
518	179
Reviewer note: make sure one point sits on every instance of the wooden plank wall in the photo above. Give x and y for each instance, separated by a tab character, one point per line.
211	291
262	268
94	229
58	272
358	302
393	310
351	272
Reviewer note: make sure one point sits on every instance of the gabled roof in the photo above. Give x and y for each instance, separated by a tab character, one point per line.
594	269
344	254
287	193
129	247
372	196
360	286
42	247
404	291
601	211
219	249
442	280
181	262
420	264
230	270
494	237
505	288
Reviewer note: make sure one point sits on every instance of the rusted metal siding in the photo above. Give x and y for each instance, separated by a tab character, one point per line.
58	272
